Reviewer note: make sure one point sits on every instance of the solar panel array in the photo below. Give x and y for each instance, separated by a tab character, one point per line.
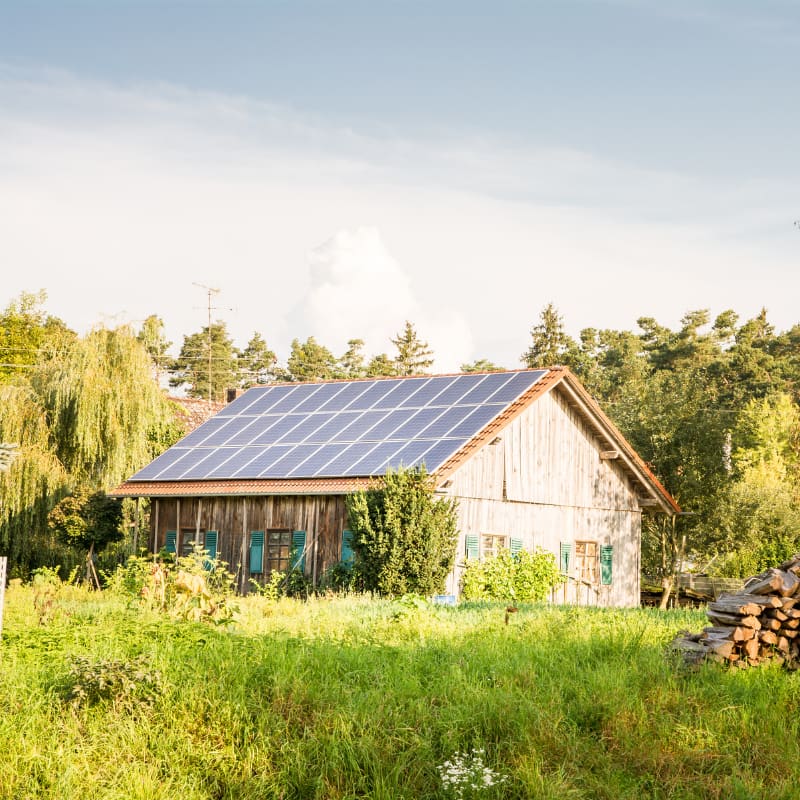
341	429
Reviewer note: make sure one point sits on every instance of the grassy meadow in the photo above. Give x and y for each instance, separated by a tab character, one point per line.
359	698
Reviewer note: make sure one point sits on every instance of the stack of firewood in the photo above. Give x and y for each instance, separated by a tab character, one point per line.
760	624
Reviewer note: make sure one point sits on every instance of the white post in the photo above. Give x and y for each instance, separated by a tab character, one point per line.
3	564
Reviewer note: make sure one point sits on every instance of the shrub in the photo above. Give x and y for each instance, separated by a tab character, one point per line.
404	538
119	682
525	576
191	587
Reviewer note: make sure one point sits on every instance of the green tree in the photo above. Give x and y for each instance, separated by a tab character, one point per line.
352	363
481	365
103	408
207	363
404	537
258	364
755	520
310	360
32	484
28	336
381	366
550	343
151	336
414	356
88	522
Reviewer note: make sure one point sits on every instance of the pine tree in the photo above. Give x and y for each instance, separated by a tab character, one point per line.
481	365
258	364
550	342
310	360
207	363
351	364
413	355
151	335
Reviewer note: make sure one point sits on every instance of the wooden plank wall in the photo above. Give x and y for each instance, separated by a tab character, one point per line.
545	483
323	518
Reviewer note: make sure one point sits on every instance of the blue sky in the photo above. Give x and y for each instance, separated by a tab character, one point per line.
336	168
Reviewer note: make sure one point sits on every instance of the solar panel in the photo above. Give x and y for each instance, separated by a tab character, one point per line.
341	428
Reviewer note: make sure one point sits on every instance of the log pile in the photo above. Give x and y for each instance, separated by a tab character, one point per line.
760	624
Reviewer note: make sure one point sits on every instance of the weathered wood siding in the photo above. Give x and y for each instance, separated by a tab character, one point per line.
544	482
322	517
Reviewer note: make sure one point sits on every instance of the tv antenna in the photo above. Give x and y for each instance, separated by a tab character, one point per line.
211	291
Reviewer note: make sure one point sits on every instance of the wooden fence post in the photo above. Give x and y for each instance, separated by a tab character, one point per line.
3	567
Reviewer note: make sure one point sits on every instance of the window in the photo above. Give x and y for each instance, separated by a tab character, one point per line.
587	562
187	541
492	544
279	547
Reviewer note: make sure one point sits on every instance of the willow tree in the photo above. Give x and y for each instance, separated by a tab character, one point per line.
106	413
32	483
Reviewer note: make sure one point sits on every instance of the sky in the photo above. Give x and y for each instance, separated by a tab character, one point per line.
337	168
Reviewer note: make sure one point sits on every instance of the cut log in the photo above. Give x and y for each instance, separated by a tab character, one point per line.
772	624
748	597
768	637
776	613
791	624
723	647
751	648
789	634
783	644
773	581
734	620
735	605
789	603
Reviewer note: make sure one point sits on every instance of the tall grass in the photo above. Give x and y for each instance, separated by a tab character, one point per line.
359	698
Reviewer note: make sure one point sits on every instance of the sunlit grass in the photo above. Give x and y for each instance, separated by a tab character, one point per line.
360	698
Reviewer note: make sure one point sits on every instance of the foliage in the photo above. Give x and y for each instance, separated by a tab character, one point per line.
101	405
413	356
34	482
340	578
151	336
334	699
549	341
207	364
258	364
121	683
310	360
192	587
86	520
481	365
351	364
28	336
403	537
525	576
381	366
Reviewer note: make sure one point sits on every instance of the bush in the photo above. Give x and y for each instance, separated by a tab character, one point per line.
522	577
118	682
191	587
403	537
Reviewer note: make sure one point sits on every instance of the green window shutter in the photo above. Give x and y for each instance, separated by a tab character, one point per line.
516	546
210	546
348	556
172	540
606	559
256	552
471	540
566	552
298	548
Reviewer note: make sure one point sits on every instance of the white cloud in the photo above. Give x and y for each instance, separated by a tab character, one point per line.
116	200
358	290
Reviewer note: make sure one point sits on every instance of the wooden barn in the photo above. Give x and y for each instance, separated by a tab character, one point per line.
528	454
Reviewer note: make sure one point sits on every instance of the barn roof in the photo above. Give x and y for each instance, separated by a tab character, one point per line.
333	437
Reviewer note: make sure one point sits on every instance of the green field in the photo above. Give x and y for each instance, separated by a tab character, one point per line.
358	698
